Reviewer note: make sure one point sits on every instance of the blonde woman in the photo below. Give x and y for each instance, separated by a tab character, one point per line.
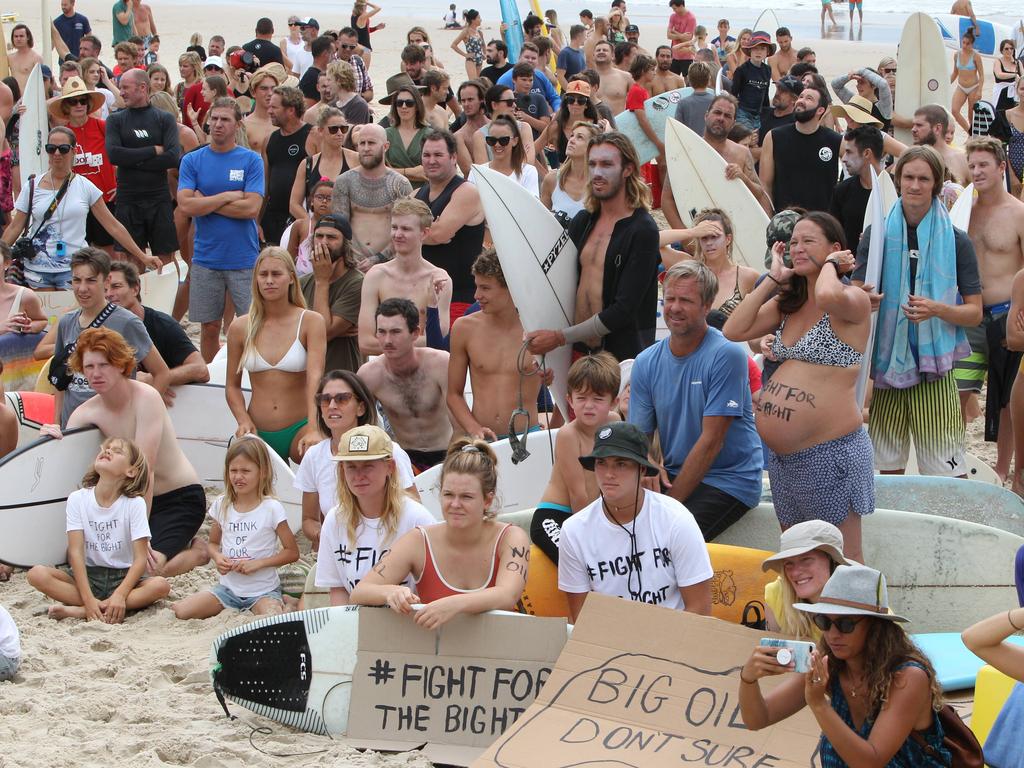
564	191
190	67
371	512
95	77
277	328
159	79
737	53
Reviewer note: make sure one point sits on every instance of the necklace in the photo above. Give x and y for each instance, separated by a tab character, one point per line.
855	687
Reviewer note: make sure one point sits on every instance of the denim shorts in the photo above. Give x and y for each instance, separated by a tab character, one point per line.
8	667
60	281
230	600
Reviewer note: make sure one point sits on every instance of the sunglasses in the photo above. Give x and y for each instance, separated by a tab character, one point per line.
339	397
844	625
405	102
62	148
294	23
889	71
581	100
78	100
349	46
333	129
502	140
506	102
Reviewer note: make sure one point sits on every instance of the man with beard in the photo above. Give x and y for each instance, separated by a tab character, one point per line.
471	98
785	57
616	300
931	123
498	64
284	150
780	112
257	123
862	152
800	162
333	290
615	83
221	187
456	237
348	50
364	196
664	78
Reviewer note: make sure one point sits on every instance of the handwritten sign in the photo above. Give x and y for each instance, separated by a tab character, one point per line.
647	687
455	690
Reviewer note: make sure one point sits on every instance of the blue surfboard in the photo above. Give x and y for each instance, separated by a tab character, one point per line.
955	667
514	31
989	34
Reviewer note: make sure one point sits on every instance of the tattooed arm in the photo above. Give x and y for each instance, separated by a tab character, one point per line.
385	583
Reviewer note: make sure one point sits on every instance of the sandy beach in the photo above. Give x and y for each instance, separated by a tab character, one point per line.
139	694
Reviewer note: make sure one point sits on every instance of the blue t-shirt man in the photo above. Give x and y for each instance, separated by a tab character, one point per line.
221	241
72	28
571	60
672	394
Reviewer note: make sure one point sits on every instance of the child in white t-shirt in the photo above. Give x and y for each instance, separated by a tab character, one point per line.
631	542
10	646
108	542
372	512
248	524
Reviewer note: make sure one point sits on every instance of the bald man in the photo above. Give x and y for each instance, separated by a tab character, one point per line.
364	196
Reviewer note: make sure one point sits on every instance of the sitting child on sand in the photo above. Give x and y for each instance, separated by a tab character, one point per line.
593	386
247	524
10	646
108	542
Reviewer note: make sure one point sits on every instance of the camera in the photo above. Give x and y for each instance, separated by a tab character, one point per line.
23	249
242	59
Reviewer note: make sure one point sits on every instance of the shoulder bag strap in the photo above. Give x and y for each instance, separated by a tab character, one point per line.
31	200
53	205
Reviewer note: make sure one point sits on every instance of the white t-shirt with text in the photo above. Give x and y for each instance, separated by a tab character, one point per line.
596	555
10	640
249	536
108	531
318	473
342	564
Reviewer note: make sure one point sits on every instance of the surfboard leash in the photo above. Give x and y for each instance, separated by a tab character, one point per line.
516	441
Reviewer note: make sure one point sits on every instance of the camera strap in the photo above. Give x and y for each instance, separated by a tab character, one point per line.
53	205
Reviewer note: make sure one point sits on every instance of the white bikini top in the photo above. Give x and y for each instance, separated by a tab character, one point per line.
294	360
564	202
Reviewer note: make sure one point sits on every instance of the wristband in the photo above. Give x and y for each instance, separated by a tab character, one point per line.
748	682
1019	629
835	263
769	276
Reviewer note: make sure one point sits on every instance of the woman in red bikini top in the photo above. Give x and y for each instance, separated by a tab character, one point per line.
470	563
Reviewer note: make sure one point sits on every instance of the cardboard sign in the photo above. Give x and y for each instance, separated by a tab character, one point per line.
645	687
452	691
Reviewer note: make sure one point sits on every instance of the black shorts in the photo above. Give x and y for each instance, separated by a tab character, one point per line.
681	66
424	460
95	233
176	517
150	223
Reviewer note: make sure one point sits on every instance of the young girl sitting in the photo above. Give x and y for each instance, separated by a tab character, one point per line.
247	524
108	542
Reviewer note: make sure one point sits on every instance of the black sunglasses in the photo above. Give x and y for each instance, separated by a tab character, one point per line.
333	129
294	23
502	140
82	100
340	398
844	625
349	46
581	100
889	71
506	102
62	148
405	102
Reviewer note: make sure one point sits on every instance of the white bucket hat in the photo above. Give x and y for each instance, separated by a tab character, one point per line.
853	590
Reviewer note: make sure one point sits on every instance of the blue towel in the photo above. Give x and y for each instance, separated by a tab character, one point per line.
907	353
1003	745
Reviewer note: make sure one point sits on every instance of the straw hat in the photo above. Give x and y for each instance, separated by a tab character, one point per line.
276	71
857	109
853	590
399	82
365	443
74	88
806	537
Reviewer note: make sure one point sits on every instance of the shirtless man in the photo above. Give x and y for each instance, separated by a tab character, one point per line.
23	58
407	276
931	122
664	78
785	57
997	231
411	384
964	8
615	83
486	345
365	195
471	99
436	82
145	24
617	296
133	410
257	123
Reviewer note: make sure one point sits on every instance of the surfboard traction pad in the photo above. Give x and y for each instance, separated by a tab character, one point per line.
267	666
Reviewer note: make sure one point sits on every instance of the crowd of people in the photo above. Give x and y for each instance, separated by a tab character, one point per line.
339	253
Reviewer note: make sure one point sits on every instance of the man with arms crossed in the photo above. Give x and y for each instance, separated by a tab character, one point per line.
486	345
134	411
631	542
365	195
407	276
411	384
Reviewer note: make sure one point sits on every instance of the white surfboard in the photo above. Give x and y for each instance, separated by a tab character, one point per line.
33	128
988	34
942	574
876	211
204	427
767	22
889	197
36	481
159	288
46	41
952	497
658	109
719	88
960	213
539	262
924	68
976	468
698	181
218	369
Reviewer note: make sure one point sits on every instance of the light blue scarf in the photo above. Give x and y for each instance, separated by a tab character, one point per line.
907	353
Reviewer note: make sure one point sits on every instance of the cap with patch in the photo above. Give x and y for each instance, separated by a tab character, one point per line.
336	221
632	28
310	22
780	230
365	443
622	440
580	87
789	83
